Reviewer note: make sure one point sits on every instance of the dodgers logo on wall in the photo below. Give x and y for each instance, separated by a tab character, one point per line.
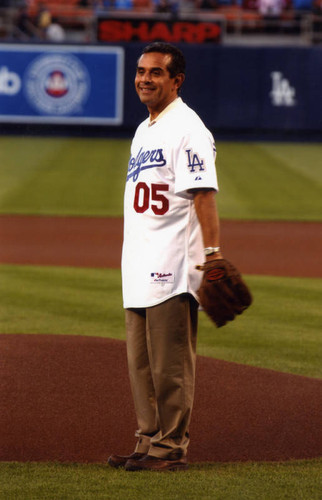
57	84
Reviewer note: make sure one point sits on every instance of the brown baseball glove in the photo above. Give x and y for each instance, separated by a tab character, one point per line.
222	294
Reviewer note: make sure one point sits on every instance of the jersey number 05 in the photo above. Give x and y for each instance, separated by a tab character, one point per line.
144	197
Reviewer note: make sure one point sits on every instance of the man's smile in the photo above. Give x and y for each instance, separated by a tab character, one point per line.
146	89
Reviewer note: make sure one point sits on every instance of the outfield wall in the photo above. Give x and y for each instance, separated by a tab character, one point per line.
232	88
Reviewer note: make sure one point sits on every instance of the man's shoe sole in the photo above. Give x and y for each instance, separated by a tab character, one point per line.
118	461
134	466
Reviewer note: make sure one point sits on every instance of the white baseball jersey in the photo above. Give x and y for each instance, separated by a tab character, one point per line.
162	236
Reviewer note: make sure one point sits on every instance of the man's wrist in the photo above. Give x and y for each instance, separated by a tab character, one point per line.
211	251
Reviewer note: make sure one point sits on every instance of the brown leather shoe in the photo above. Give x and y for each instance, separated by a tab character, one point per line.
120	460
156	464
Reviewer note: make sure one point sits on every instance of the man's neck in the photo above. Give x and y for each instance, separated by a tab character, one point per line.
154	116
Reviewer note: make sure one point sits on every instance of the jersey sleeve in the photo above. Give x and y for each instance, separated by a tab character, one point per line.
194	163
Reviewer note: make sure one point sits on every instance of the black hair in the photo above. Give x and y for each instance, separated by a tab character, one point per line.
177	64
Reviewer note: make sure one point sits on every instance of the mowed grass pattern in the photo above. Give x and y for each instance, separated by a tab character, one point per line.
286	481
281	331
51	176
270	181
71	176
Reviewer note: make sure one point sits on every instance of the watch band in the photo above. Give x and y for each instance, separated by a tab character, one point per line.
211	250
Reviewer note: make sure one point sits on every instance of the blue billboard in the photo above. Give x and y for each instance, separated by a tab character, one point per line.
61	84
231	88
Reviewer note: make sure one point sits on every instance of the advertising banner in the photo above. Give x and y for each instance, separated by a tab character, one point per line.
154	29
61	84
235	88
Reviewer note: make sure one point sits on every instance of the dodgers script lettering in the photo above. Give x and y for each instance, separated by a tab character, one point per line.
144	160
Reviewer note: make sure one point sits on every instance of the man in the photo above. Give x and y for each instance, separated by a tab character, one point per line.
170	225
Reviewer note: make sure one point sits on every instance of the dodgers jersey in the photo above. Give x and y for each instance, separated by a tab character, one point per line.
162	236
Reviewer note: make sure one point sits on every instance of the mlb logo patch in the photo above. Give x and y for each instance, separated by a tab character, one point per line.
162	278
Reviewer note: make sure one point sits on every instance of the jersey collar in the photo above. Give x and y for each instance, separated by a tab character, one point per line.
166	110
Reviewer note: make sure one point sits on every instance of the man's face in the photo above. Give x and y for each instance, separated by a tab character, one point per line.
154	86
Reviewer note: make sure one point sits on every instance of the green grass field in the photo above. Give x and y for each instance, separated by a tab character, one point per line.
264	181
287	481
281	331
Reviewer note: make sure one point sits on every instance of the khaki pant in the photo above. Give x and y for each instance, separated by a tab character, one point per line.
161	350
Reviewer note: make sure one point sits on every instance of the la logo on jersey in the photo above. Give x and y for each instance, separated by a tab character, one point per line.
194	162
282	94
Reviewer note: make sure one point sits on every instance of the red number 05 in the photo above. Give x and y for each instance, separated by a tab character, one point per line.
142	198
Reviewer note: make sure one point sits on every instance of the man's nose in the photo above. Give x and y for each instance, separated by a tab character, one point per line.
146	77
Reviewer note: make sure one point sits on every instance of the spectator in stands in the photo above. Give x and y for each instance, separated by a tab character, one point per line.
166	6
143	5
122	4
206	4
249	4
25	28
317	7
103	4
317	19
91	3
271	11
304	5
55	32
114	4
43	19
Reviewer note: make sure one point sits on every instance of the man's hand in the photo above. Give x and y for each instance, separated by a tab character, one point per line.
222	294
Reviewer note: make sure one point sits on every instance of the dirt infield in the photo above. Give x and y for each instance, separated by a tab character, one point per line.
273	248
67	398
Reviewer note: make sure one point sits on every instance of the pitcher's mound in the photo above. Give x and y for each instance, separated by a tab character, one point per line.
67	398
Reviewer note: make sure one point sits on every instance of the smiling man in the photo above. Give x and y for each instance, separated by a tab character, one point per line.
170	225
158	81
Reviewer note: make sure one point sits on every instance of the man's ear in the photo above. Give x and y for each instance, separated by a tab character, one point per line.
179	79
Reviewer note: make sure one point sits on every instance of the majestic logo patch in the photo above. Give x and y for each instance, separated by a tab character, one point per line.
194	162
162	278
144	160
